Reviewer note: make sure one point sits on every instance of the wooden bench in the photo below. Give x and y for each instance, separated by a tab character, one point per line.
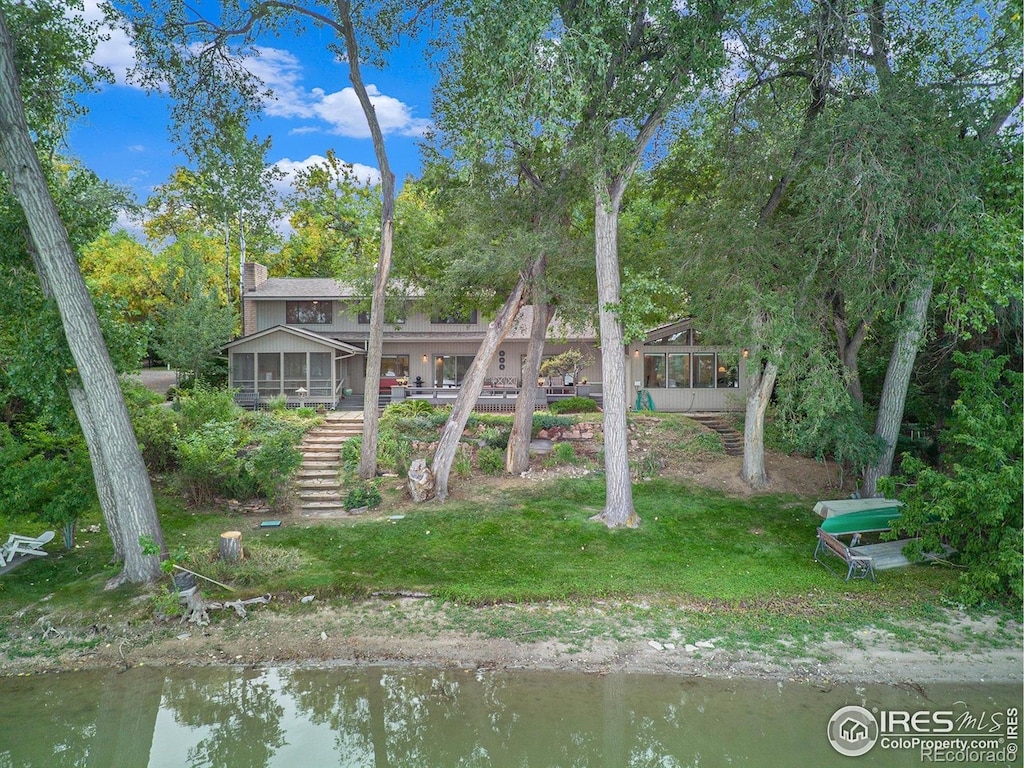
857	566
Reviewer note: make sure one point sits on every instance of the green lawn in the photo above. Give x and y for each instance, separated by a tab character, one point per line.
738	569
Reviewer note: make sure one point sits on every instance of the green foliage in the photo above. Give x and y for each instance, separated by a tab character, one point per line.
495	437
574	405
202	404
491	461
570	363
973	501
362	495
564	453
46	474
156	430
463	462
548	421
409	408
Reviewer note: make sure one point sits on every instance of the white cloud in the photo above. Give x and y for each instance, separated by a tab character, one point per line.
290	167
116	52
281	72
136	148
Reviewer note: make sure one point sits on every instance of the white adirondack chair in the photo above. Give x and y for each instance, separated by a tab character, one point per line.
24	545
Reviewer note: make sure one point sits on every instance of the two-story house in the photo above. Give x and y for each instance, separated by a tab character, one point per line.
306	338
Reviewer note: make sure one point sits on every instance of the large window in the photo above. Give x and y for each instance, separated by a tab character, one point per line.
679	370
654	371
308	312
450	370
319	374
270	373
243	371
704	372
394	366
294	372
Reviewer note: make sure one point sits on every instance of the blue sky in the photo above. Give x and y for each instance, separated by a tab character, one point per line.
125	137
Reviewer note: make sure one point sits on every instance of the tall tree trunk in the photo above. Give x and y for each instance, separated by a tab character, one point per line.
472	385
375	345
897	379
849	346
517	457
104	488
759	395
618	511
136	509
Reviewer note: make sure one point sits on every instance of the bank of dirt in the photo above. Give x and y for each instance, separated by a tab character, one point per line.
421	631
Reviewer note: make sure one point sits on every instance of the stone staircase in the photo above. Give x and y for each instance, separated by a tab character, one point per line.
732	441
319	489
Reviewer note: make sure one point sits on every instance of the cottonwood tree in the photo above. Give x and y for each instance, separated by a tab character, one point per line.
118	465
189	51
597	81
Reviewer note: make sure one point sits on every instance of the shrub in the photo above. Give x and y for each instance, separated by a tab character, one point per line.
408	409
574	405
549	420
362	495
156	430
204	404
210	459
495	437
972	503
564	453
463	464
491	461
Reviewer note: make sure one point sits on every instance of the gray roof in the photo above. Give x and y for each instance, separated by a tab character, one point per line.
302	288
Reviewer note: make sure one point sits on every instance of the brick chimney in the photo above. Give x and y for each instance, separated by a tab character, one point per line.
253	276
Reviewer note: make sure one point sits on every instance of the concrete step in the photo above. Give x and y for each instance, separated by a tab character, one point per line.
318	483
320	469
306	497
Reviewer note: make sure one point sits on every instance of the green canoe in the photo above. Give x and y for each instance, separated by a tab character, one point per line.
866	520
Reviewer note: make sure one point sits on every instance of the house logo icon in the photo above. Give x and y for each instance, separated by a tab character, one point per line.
852	731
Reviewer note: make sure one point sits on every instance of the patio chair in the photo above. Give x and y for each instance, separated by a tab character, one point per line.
24	545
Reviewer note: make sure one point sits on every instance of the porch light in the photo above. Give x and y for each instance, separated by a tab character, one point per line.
424	358
746	353
636	353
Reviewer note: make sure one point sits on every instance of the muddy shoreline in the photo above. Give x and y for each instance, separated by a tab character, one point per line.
333	635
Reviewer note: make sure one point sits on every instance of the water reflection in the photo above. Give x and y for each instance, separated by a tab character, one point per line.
410	717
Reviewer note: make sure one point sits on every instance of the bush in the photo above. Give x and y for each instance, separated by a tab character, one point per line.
362	495
156	430
549	420
408	409
574	405
972	504
494	437
564	453
491	461
203	404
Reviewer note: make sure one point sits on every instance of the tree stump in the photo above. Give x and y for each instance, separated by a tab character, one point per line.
231	546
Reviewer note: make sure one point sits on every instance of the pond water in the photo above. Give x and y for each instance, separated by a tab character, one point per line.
405	717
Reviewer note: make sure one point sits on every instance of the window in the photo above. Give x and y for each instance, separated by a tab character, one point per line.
679	370
654	371
728	373
269	383
704	372
308	312
243	372
394	366
679	339
294	372
456	318
363	318
450	370
319	374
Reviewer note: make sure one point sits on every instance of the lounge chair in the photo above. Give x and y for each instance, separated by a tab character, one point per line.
24	545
